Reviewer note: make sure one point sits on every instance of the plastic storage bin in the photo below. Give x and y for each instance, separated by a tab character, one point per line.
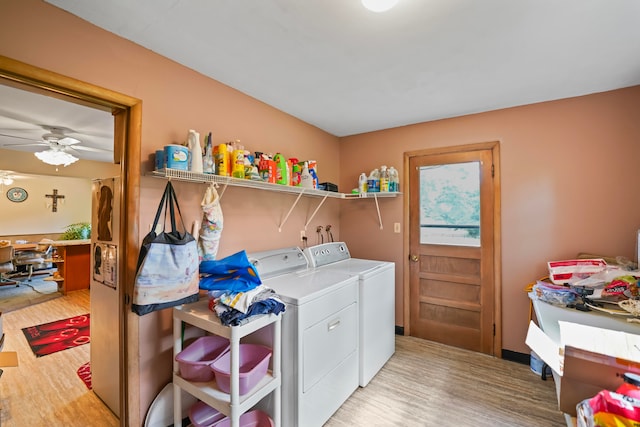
203	415
195	359
253	365
255	418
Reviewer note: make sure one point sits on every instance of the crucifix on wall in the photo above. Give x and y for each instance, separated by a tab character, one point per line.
55	196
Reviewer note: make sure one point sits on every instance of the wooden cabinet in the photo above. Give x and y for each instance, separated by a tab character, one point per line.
73	262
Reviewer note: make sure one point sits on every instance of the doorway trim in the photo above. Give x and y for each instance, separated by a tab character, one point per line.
127	112
494	146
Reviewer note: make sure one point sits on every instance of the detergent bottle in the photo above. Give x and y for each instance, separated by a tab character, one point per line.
362	183
193	142
306	180
373	182
222	160
282	171
208	163
394	179
237	160
384	179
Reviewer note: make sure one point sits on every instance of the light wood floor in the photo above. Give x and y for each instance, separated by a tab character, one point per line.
424	384
46	391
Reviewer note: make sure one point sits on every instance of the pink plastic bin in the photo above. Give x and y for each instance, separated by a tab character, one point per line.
254	362
195	359
250	419
203	415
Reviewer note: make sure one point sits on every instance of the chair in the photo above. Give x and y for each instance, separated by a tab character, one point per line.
32	258
6	265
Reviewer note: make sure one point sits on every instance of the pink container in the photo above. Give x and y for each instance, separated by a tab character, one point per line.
203	415
254	362
250	419
195	359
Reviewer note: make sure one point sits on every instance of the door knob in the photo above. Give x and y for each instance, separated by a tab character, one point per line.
414	258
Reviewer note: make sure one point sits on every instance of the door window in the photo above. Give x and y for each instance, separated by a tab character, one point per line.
450	204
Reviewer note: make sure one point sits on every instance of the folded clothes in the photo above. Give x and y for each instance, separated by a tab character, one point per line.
242	300
232	317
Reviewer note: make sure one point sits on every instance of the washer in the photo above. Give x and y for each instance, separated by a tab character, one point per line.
376	288
319	335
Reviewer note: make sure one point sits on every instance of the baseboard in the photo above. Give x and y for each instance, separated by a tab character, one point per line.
399	330
514	356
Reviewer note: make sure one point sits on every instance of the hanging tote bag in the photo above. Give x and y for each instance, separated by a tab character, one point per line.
167	273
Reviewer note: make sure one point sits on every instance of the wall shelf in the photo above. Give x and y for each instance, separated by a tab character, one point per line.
202	178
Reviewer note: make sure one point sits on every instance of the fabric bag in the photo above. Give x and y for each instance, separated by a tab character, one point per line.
168	272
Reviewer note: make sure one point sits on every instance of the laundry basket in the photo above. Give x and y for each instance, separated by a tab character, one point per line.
195	359
253	365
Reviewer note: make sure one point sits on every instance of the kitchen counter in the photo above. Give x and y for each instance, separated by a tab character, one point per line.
58	243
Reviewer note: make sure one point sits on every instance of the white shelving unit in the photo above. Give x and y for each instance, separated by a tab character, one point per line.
231	404
202	178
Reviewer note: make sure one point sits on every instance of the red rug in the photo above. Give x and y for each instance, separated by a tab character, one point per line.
59	335
84	372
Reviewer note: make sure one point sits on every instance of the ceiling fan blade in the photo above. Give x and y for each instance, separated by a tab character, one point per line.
85	148
17	137
67	140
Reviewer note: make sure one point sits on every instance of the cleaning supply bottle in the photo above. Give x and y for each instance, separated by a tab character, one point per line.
193	142
208	165
306	180
237	160
384	179
362	183
282	175
394	179
373	182
222	160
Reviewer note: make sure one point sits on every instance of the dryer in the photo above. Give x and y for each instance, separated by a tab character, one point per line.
319	335
376	300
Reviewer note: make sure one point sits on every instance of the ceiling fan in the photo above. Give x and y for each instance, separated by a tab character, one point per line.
58	142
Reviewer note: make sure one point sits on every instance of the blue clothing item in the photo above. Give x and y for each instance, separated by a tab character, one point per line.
234	273
233	317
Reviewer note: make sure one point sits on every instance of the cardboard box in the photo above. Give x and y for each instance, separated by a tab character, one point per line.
587	360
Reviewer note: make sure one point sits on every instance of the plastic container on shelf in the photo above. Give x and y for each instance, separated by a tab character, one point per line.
254	362
203	415
373	182
255	418
282	171
195	360
176	157
193	141
384	179
362	183
221	154
394	179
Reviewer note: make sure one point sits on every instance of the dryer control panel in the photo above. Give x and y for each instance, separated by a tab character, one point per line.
327	253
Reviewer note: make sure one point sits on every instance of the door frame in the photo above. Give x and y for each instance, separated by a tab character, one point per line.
494	146
127	112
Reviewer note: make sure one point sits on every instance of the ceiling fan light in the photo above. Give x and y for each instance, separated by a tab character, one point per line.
379	5
55	157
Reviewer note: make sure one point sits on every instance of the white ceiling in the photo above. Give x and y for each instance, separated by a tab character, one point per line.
347	70
25	117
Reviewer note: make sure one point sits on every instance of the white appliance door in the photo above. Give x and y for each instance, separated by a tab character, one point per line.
105	342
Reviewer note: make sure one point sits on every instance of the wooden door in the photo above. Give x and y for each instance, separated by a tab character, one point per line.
451	243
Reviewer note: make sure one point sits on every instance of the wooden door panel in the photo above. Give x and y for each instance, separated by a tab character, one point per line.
451	288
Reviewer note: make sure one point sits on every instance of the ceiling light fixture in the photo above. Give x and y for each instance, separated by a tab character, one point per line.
379	5
5	178
56	157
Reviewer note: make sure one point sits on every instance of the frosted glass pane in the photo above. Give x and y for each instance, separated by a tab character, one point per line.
450	204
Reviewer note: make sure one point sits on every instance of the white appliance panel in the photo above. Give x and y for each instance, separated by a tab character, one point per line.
327	344
376	301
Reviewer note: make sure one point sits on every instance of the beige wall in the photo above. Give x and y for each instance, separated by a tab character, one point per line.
569	182
34	215
174	100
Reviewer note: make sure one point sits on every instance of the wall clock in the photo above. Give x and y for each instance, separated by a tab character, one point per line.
17	194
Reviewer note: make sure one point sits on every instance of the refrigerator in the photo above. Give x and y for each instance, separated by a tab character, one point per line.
105	285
